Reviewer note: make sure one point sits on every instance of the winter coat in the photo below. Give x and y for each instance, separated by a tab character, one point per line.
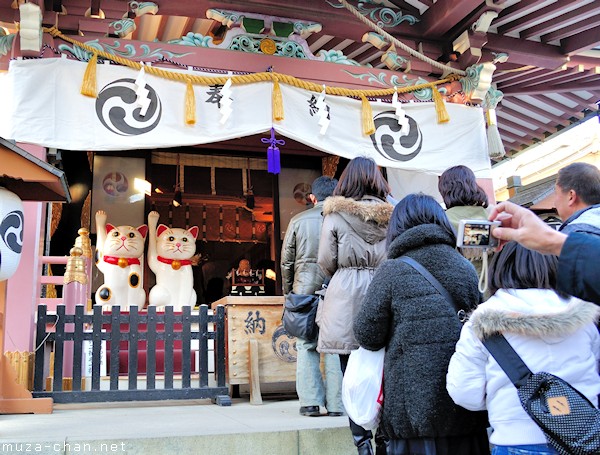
467	212
419	328
548	332
578	272
299	269
352	245
586	220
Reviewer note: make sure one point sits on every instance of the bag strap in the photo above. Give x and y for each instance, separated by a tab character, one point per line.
462	314
508	359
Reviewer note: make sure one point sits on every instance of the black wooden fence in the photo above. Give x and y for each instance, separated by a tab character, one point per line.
127	332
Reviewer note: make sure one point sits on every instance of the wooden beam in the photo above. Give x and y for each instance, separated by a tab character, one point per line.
544	98
589	103
543	14
501	78
577	28
440	19
561	21
524	118
527	78
513	12
516	126
527	53
584	40
554	77
536	110
516	138
95	7
542	89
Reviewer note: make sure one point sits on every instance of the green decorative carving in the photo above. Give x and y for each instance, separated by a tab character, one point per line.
281	26
227	18
247	43
254	26
123	27
6	42
194	39
334	56
477	81
471	80
283	29
305	29
382	16
492	98
424	94
393	61
129	51
141	8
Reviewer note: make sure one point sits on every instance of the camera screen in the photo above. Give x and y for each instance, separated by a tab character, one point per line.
476	234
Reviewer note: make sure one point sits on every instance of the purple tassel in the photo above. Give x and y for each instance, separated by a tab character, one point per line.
273	161
273	155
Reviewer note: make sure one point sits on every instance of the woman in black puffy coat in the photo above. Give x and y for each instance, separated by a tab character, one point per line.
419	328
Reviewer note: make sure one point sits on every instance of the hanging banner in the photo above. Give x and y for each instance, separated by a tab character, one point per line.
49	110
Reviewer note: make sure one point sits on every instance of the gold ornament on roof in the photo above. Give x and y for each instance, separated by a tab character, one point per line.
268	46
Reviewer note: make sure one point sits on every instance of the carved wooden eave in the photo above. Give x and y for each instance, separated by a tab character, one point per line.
221	61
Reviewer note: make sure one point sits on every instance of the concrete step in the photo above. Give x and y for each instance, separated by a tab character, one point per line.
175	427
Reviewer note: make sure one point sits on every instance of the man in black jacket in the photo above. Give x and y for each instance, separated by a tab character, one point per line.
578	271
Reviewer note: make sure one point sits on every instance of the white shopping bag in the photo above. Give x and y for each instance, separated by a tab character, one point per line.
362	387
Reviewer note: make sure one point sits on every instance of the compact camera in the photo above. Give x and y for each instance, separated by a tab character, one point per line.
476	234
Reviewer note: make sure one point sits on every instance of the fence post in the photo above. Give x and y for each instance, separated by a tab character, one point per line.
40	340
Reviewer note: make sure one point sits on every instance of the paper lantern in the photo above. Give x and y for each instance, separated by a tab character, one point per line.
11	233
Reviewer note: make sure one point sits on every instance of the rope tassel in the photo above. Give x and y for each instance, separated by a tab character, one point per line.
440	106
277	101
89	84
368	125
495	146
190	104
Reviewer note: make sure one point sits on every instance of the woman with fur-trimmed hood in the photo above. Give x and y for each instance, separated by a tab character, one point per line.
352	245
550	333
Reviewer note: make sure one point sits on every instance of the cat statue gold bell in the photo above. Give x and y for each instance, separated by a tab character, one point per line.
119	250
170	253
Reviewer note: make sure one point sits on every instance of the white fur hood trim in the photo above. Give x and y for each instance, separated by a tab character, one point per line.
511	311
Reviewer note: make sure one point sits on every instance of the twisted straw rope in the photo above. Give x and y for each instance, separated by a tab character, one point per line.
248	78
399	43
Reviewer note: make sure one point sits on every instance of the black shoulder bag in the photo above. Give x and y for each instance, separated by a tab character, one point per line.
570	422
299	313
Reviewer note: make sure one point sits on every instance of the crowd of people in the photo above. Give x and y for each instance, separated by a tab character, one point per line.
444	393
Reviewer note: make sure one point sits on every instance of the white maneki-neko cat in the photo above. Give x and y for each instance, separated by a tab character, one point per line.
120	258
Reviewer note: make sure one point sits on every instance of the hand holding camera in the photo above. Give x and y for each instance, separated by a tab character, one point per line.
476	234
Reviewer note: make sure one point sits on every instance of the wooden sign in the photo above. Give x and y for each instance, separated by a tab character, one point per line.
258	349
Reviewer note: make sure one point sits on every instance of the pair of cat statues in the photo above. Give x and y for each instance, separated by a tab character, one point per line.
120	255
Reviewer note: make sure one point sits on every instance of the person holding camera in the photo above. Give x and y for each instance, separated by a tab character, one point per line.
404	313
301	274
577	198
550	332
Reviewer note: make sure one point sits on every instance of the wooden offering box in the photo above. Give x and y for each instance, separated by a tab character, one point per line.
258	349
